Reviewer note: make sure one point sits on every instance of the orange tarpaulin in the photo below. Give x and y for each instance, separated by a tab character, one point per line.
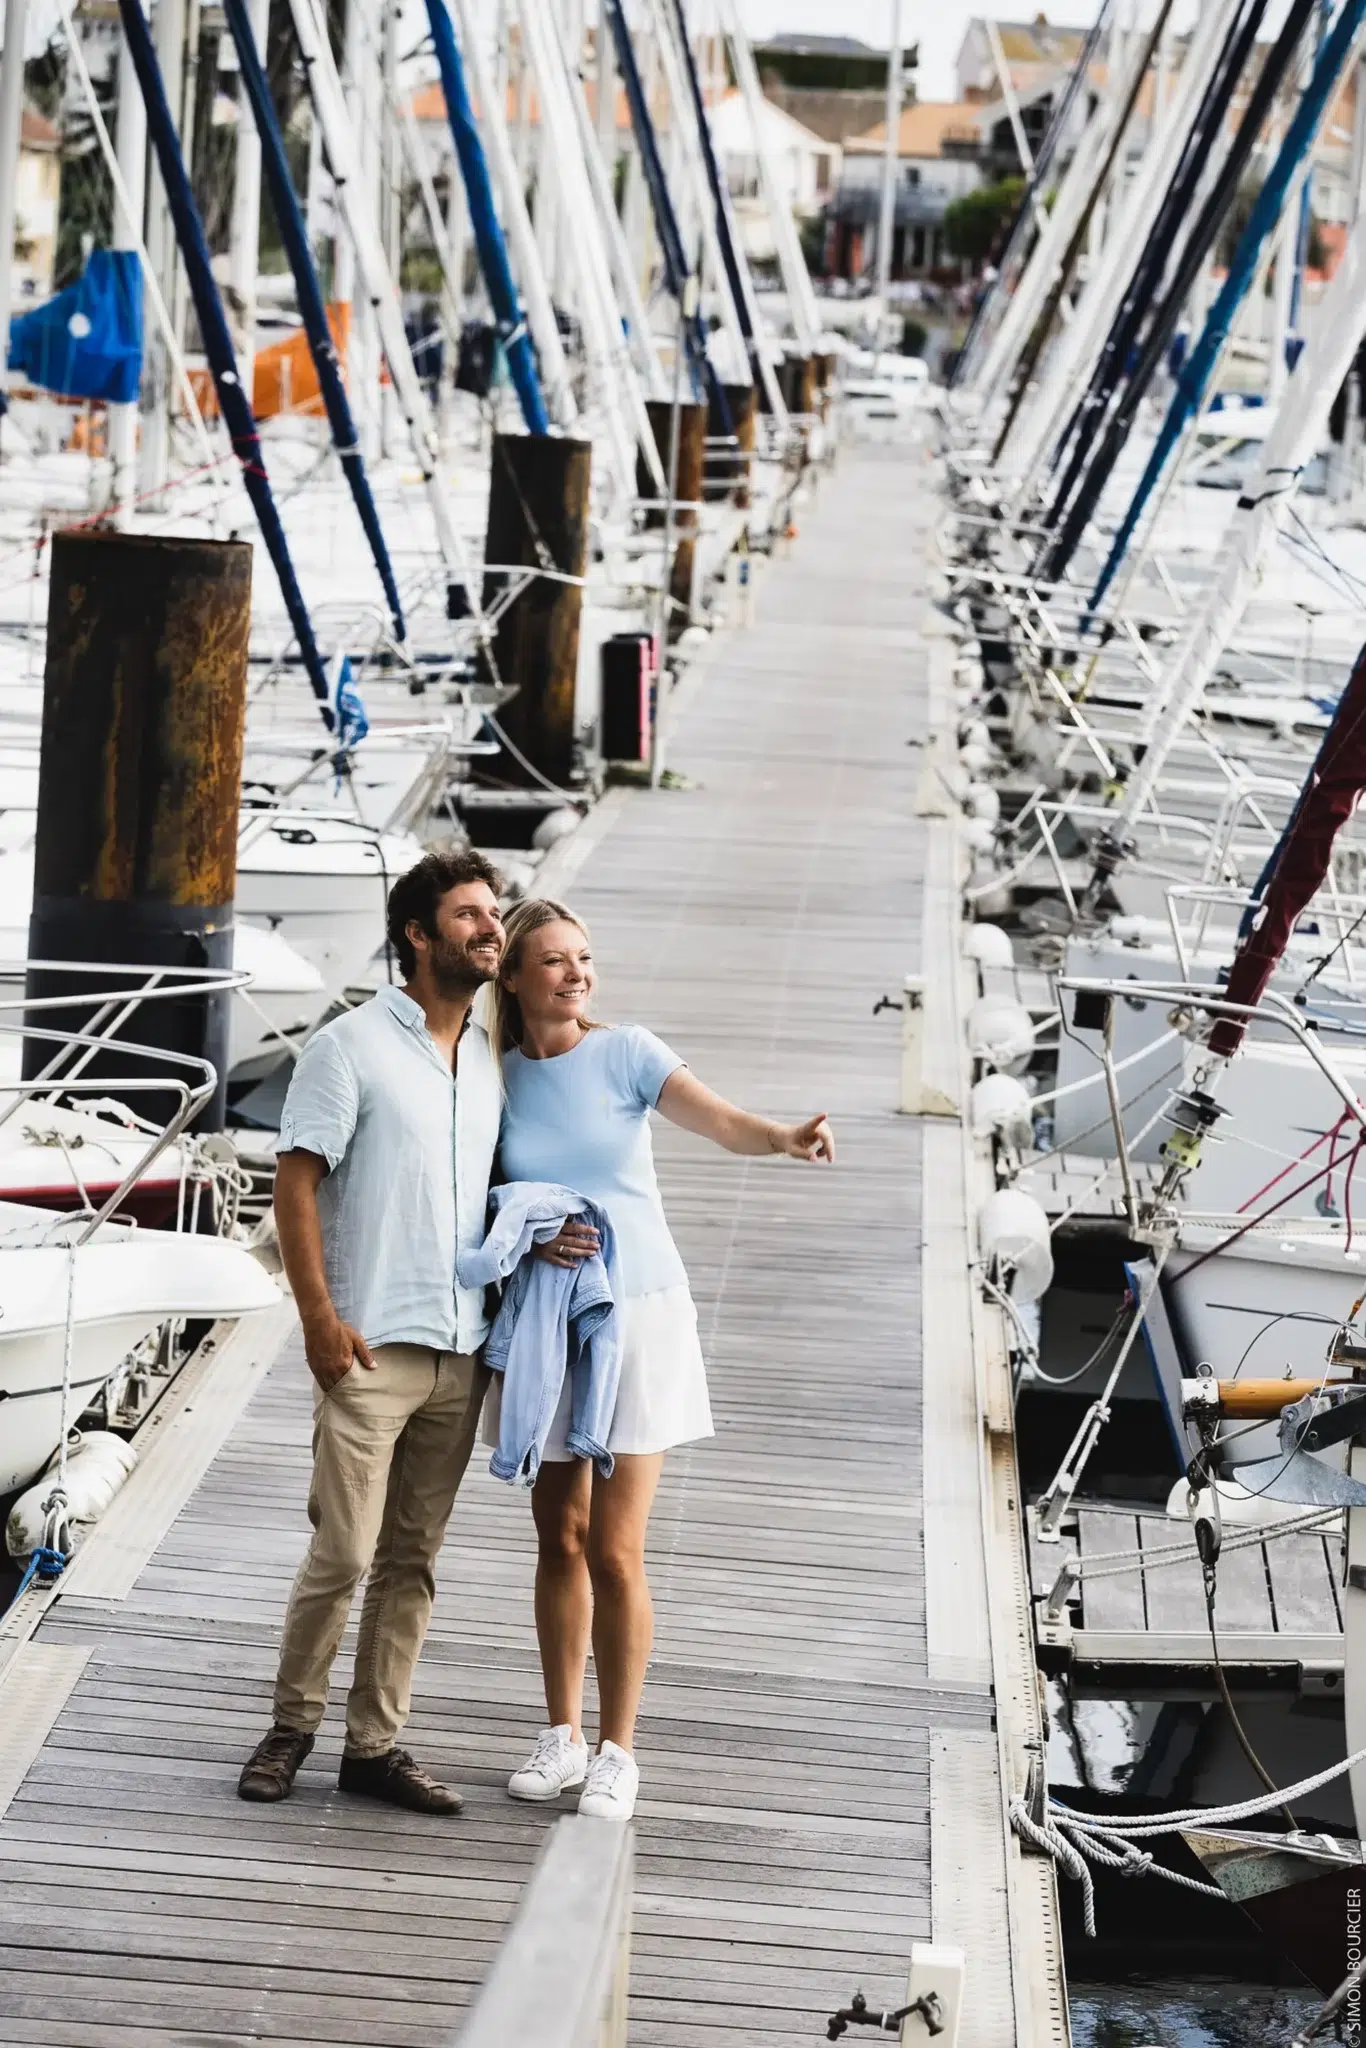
283	376
284	379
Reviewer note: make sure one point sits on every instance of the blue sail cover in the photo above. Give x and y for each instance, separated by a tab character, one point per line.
87	342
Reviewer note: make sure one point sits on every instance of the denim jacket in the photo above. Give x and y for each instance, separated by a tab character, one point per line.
553	1320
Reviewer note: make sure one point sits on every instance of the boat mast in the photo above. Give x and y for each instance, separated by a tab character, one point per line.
11	135
232	399
643	350
1077	348
131	147
355	201
1262	509
1267	208
801	296
891	165
505	164
716	211
245	231
312	311
612	373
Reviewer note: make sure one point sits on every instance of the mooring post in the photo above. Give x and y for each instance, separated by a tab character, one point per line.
824	379
139	785
728	470
538	520
688	475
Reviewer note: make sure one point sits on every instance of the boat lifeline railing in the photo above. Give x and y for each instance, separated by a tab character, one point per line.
1338	910
1188	1000
1154	1219
187	1079
561	1976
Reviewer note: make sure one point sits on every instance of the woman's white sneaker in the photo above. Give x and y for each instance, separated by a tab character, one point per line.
610	1789
554	1766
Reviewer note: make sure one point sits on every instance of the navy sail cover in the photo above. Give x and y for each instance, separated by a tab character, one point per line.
87	342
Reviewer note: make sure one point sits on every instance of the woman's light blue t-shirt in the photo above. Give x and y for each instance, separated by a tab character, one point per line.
582	1120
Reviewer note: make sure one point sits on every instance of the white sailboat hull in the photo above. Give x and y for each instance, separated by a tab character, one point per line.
125	1289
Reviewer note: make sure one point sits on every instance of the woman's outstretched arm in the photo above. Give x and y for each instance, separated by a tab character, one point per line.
685	1101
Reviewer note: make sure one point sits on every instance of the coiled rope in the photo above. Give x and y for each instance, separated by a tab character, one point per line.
1074	1840
1074	1849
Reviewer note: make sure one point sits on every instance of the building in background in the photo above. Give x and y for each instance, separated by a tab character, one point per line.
1034	52
37	198
806	167
833	85
939	159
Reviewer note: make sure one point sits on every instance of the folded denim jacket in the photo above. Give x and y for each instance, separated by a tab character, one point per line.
552	1320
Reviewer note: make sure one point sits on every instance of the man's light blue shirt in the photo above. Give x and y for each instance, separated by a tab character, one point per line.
409	1150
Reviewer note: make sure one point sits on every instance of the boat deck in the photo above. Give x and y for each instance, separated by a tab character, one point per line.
1278	1603
819	1790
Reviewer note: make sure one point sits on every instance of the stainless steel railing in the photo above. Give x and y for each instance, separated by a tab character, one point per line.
189	1082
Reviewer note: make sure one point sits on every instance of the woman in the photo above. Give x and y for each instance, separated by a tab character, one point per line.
579	1097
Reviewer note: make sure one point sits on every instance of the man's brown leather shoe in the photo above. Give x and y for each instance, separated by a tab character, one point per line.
395	1778
269	1771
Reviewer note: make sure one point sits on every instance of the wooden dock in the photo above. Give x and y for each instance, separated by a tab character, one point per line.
820	1778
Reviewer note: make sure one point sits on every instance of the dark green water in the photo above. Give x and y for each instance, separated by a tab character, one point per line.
1185	2015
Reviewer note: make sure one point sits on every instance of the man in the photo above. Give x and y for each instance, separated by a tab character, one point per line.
386	1144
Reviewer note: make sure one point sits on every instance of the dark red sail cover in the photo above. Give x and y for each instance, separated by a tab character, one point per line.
1300	862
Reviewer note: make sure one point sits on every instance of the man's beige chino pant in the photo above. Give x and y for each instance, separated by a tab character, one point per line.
390	1448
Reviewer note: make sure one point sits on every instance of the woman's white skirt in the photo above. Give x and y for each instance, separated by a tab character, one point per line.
662	1399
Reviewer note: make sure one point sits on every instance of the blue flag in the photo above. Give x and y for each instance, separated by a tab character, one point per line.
349	705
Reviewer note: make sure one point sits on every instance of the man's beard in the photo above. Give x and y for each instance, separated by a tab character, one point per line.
456	971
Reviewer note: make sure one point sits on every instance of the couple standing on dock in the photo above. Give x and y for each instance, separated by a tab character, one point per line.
390	1131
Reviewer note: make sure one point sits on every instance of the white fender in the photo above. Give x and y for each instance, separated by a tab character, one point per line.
1012	1232
1001	1032
95	1470
1000	1106
988	945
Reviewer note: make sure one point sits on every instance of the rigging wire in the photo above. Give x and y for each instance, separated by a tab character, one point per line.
1075	512
1112	366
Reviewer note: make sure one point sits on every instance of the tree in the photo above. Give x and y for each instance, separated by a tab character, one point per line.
977	225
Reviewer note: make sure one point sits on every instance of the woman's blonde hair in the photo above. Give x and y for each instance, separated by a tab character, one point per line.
529	916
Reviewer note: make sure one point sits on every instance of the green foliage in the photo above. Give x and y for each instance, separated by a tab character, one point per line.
976	226
43	77
85	204
421	271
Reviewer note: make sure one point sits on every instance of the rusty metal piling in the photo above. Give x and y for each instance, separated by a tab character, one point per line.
139	787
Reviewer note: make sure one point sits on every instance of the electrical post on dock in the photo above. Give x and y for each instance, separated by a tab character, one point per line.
139	785
917	1096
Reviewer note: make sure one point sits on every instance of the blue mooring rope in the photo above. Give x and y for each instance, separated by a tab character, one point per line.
43	1564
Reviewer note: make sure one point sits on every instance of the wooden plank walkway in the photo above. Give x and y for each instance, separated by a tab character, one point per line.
790	1722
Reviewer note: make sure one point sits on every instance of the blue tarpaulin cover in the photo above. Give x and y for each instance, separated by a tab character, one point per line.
87	342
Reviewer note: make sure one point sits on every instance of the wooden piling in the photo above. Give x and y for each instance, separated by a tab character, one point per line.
797	381
824	379
692	456
538	519
728	468
139	786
